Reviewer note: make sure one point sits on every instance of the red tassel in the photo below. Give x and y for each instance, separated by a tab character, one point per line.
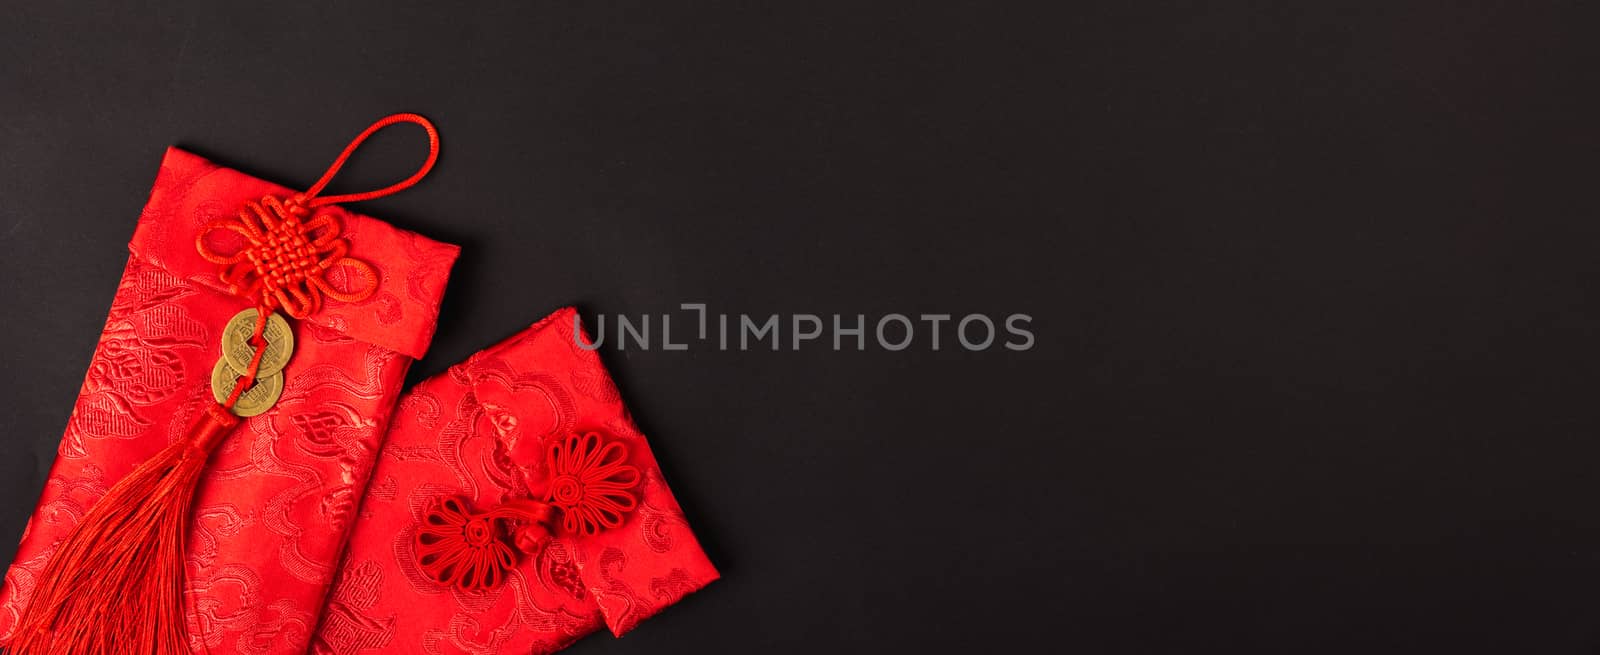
116	584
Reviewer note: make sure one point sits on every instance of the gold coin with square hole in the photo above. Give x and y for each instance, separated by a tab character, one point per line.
259	398
237	349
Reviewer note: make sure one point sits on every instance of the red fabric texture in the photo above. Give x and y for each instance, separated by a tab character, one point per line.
482	431
277	498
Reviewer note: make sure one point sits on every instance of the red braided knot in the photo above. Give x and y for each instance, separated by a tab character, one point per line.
474	550
590	482
285	257
590	485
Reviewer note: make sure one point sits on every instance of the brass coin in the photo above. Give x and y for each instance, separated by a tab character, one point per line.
237	349
257	399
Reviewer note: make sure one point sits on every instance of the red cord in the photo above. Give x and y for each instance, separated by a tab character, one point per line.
311	198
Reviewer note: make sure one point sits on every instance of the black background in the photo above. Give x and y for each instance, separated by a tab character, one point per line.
1315	355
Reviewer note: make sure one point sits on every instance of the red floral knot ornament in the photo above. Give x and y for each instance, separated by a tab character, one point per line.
473	551
285	256
590	483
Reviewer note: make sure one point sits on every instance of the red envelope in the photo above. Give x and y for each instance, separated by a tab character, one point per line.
467	464
277	497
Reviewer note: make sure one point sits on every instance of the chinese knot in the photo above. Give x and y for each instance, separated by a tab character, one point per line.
589	484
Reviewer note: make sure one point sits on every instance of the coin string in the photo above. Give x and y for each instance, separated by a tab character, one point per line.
259	340
233	368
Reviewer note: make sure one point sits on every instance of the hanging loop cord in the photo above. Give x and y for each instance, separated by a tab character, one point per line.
289	251
115	584
311	195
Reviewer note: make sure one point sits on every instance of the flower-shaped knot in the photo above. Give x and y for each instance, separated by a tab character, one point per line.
590	482
475	550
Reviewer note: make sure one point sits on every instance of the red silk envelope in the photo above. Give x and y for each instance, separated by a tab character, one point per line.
278	495
482	434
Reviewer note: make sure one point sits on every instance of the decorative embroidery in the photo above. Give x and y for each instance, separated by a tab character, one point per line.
339	504
563	572
318	428
220	520
226	601
676	584
615	597
346	628
590	483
